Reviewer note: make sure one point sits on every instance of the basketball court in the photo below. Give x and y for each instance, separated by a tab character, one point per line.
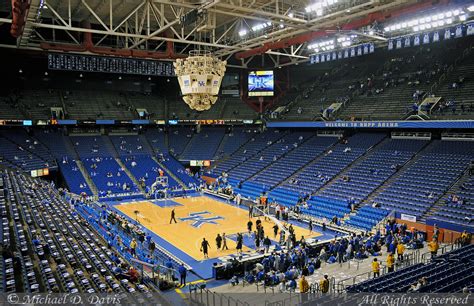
198	217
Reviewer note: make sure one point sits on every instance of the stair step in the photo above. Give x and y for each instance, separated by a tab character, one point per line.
130	174
87	177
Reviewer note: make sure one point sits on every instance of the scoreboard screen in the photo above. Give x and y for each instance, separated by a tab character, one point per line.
260	83
86	63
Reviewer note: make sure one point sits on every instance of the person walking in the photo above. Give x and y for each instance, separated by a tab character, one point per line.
204	247
173	214
218	241
224	242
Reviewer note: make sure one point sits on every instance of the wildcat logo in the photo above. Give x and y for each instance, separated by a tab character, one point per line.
198	219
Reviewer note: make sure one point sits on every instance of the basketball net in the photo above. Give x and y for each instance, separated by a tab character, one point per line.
160	181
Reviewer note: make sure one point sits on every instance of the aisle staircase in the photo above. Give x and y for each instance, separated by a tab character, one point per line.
464	177
130	175
425	149
315	160
356	162
87	177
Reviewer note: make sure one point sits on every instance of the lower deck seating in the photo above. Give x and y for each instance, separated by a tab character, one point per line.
54	250
108	176
143	167
372	172
73	177
425	181
448	273
316	174
367	217
326	208
461	212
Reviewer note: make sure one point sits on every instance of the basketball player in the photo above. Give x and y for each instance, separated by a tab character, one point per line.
173	217
218	241
249	226
275	230
239	243
204	247
224	242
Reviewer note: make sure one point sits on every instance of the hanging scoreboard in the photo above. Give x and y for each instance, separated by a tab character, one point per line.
86	63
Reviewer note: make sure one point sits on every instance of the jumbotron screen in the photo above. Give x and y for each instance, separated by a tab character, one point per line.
260	83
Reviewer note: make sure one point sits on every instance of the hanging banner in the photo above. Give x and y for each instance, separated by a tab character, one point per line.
334	56
470	29
328	57
346	53
399	43
426	38
371	47
353	52
407	41
416	41
458	32
435	36
390	45
447	34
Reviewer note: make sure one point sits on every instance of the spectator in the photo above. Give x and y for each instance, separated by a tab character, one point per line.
182	275
390	262
433	247
324	284
376	268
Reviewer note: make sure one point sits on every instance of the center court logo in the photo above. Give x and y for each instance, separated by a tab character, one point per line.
199	219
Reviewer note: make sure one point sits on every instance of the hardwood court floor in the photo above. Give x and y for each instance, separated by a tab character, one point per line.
187	235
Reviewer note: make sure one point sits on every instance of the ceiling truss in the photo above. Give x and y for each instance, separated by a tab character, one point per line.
147	25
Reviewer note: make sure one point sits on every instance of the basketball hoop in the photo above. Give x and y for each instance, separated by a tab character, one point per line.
260	99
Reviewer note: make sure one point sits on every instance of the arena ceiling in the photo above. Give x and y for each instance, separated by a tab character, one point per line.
235	30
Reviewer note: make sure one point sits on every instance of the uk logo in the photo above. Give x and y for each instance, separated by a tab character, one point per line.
201	83
198	219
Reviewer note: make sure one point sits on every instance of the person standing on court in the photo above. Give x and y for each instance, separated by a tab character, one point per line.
267	243
204	247
173	217
310	226
275	230
224	242
249	226
250	211
239	243
218	241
